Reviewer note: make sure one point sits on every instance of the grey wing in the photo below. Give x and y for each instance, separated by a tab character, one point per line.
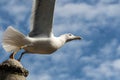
42	18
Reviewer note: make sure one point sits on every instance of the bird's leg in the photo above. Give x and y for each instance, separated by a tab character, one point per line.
12	55
22	47
21	56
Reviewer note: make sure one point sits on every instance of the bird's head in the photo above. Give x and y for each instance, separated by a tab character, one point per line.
70	37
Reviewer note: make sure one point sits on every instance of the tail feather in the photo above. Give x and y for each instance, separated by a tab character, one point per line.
13	39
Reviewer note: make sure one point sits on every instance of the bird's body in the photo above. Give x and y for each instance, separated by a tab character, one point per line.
41	39
44	45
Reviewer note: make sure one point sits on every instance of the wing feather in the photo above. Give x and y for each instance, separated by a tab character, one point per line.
42	18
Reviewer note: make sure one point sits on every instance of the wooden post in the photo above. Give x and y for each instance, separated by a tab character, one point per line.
12	70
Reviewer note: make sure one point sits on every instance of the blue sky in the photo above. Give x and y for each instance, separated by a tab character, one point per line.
96	57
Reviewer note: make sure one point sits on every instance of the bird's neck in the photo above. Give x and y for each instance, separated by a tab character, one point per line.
62	39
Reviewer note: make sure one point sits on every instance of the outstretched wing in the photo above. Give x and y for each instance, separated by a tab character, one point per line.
42	18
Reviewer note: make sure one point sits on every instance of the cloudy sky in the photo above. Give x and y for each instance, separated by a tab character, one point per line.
96	57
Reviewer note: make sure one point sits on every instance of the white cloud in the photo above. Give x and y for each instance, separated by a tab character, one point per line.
16	10
105	71
118	50
3	21
44	77
108	1
97	16
4	56
90	59
116	64
40	77
109	48
86	11
1	33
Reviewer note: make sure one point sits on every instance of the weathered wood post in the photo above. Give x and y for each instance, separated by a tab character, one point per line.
12	70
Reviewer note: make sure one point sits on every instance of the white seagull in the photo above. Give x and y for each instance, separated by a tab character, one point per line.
41	39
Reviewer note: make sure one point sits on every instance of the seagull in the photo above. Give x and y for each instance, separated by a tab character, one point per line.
40	39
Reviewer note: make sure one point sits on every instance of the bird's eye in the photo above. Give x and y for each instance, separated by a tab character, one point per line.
70	34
